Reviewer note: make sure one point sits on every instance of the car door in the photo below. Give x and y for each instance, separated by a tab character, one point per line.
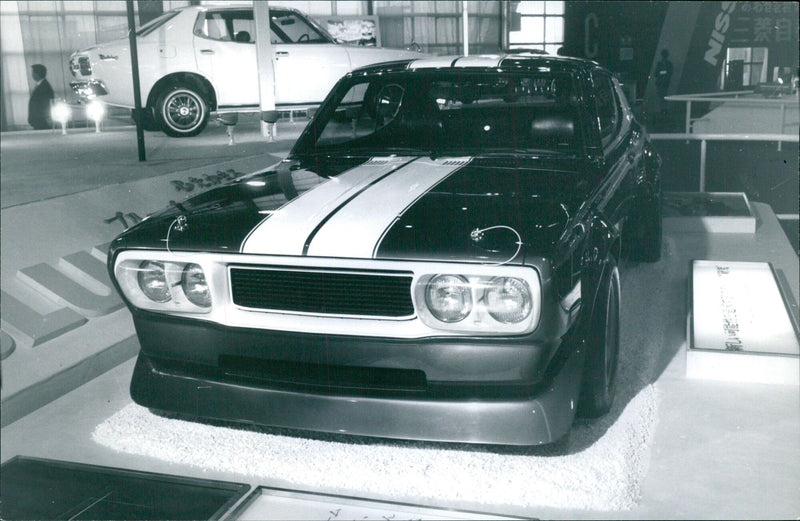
225	50
307	60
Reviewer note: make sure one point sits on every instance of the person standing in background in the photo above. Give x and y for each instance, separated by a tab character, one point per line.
41	99
663	74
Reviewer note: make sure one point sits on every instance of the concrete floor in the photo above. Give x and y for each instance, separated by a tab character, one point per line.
721	450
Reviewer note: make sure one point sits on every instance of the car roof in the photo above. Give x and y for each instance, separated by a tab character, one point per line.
525	60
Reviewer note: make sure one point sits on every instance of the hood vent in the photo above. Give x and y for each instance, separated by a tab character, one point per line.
455	162
378	161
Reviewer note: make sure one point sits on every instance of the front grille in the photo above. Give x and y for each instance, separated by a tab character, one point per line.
323	292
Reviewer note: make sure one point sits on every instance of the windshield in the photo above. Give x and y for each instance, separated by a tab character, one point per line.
155	23
453	112
289	27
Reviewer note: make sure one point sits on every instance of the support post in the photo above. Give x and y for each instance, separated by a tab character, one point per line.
137	93
266	70
688	117
703	165
465	26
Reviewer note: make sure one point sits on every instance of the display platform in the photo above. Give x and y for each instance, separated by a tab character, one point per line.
708	212
269	503
701	437
35	488
739	326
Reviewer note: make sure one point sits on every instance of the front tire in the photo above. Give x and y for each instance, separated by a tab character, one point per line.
602	344
646	230
182	111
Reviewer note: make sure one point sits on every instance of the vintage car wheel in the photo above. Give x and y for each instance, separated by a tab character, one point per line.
183	112
646	230
602	344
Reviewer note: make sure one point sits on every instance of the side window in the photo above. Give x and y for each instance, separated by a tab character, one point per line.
608	109
228	26
244	30
215	28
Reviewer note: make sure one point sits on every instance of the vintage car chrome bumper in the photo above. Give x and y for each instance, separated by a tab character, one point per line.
88	89
519	402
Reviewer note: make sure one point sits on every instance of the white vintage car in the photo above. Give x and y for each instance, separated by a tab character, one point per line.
202	59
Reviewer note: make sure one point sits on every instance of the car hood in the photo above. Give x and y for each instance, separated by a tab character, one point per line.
462	209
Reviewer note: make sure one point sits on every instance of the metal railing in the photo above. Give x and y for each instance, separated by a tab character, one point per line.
734	98
705	138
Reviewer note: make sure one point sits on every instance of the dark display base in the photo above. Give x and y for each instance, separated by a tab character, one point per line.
34	488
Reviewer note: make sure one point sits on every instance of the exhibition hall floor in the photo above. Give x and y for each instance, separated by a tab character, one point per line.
672	447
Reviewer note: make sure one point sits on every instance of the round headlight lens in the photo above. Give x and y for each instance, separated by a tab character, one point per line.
449	298
153	281
508	300
195	287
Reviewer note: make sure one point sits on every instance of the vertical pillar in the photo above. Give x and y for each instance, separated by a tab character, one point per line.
703	156
465	26
266	69
137	95
15	75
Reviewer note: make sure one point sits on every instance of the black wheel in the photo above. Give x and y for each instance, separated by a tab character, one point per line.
602	349
182	111
645	230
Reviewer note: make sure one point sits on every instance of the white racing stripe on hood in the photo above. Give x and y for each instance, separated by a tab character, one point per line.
356	229
285	231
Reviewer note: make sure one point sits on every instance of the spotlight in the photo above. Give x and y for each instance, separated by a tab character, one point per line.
61	113
95	111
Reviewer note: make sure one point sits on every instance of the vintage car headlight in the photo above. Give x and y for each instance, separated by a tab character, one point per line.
153	281
484	300
449	298
508	299
194	285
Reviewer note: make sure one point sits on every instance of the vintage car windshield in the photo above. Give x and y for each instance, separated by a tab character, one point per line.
447	113
154	24
290	27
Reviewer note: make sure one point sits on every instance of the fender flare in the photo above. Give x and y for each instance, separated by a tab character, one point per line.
602	242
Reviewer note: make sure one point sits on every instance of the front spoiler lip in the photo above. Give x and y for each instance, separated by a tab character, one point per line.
540	419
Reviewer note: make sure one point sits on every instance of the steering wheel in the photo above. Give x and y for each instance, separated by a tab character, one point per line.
304	38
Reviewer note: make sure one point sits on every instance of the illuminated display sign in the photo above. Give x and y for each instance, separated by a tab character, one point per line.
738	312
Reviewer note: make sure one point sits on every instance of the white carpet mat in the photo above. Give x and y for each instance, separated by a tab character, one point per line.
604	476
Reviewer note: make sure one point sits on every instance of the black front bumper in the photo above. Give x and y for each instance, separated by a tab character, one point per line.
456	390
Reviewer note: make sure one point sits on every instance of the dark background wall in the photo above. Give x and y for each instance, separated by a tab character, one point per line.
628	36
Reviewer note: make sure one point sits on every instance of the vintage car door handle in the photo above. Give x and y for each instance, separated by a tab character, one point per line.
206	51
281	53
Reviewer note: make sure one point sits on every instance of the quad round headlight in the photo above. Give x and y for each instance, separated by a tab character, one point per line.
194	285
153	281
449	298
508	300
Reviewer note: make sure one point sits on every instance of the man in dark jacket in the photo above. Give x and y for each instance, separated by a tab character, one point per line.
41	99
663	74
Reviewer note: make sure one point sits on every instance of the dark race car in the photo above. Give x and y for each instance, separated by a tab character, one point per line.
435	260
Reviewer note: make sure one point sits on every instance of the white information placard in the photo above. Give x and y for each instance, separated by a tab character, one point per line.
738	307
740	328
